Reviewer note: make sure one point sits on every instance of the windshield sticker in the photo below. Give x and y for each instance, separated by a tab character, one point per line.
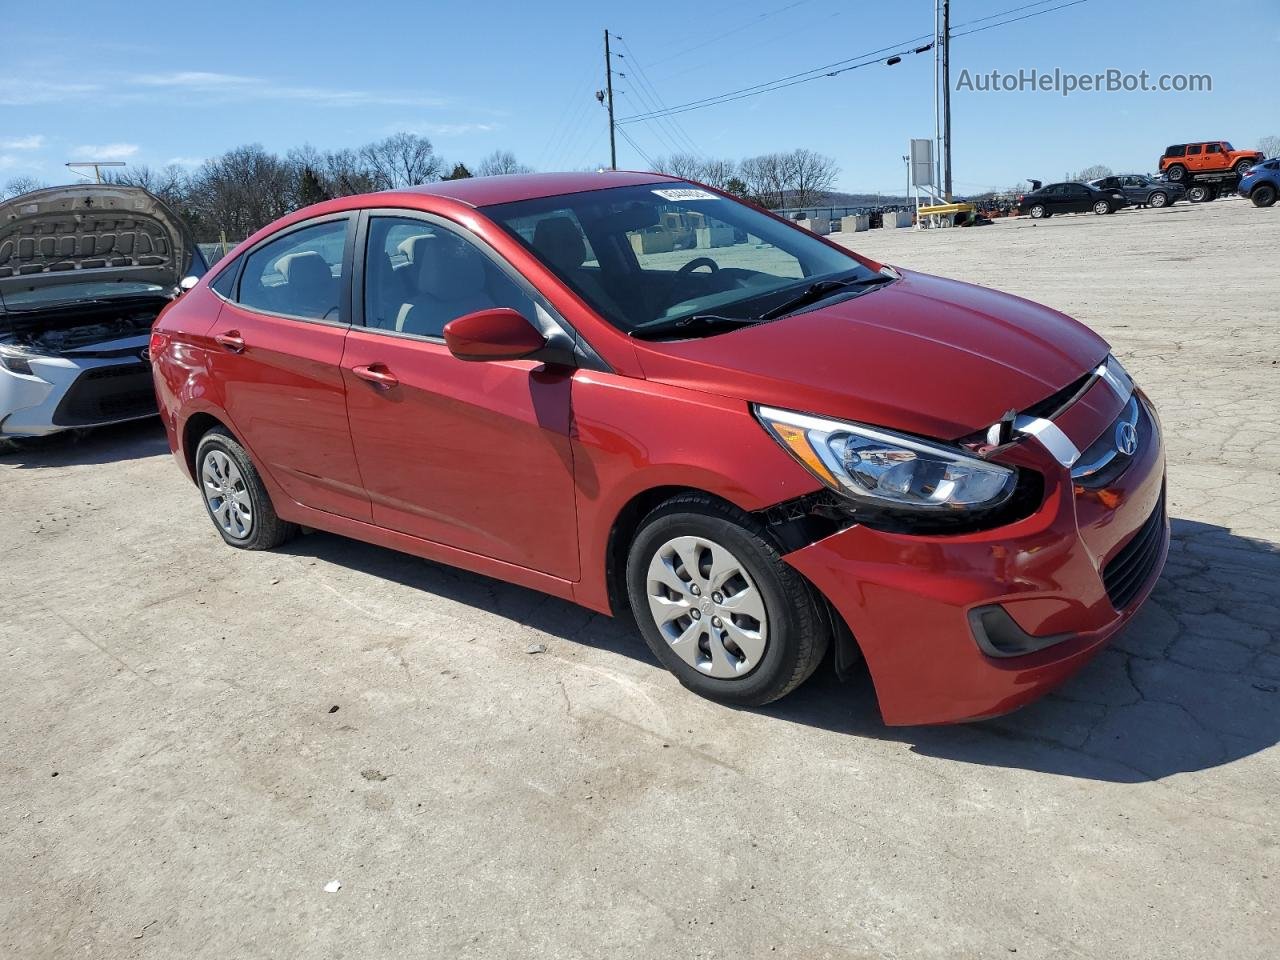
686	193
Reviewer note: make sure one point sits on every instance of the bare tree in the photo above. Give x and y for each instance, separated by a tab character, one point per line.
242	190
20	185
811	176
500	162
1095	172
683	165
716	173
170	184
401	160
1270	146
768	178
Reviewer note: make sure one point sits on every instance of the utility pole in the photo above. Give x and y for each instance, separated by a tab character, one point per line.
608	86
937	83
946	96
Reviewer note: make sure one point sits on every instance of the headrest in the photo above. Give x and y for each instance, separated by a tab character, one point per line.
560	241
304	268
447	267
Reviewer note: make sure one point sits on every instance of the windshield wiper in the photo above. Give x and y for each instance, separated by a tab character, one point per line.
820	290
696	323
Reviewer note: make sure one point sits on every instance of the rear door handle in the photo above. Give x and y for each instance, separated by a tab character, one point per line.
231	340
377	374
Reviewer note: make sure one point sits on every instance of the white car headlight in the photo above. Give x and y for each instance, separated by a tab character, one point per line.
884	469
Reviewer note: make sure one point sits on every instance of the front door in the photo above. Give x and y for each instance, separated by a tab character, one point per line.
472	455
1195	157
278	345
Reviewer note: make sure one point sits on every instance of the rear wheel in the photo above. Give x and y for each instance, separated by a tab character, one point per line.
1199	194
1177	173
1264	195
1038	211
718	606
234	495
1102	208
1158	199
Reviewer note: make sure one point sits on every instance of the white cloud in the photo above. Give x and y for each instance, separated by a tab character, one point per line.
442	129
7	161
232	86
20	91
33	142
105	151
184	161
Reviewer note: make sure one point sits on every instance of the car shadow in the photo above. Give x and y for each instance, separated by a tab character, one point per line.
134	440
1192	683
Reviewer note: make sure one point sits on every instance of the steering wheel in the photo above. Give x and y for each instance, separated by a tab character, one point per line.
697	262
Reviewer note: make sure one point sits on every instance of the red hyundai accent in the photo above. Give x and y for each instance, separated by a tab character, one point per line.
643	395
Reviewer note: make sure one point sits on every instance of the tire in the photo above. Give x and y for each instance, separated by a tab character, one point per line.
1242	167
1198	194
244	516
1264	195
1103	207
1177	173
781	648
1038	212
1158	199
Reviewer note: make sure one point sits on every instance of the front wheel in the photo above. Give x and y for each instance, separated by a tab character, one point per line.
1158	199
1264	195
1102	208
234	495
1242	167
718	606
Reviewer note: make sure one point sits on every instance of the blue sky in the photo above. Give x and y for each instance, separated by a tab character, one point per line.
154	83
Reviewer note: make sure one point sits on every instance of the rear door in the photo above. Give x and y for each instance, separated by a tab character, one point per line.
278	345
471	455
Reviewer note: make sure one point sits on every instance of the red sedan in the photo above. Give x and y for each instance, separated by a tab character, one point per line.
643	395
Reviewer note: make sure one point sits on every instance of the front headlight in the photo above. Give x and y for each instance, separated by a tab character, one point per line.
883	469
16	358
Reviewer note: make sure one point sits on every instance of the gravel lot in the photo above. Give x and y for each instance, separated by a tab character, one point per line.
195	741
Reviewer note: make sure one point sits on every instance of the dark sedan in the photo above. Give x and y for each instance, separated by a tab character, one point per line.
1069	198
1141	189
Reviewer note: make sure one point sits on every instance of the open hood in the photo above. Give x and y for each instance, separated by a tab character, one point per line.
87	241
924	355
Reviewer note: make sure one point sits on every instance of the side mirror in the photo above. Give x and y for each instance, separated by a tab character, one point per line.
497	334
186	283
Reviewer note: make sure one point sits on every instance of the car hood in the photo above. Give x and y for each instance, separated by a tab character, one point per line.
91	234
925	355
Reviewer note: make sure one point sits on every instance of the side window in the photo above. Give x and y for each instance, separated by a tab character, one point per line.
299	275
225	281
418	276
1176	151
1214	148
1193	150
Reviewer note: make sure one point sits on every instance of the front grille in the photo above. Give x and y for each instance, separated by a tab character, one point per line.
1130	569
108	393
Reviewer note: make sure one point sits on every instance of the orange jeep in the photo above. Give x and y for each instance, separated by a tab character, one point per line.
1214	156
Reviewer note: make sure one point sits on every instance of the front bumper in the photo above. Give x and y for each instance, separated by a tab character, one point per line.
66	392
907	598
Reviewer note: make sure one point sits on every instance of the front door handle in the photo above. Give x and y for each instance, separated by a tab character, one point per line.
377	374
231	340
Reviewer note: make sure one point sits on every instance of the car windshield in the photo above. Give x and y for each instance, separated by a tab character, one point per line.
647	257
1227	146
70	292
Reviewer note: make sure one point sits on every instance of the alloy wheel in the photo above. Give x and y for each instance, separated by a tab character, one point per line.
226	494
707	607
1101	208
1158	200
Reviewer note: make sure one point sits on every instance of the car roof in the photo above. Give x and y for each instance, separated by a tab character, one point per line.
483	191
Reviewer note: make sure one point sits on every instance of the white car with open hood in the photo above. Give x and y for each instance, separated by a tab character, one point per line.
83	272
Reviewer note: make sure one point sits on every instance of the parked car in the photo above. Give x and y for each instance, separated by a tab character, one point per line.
1045	201
761	450
84	270
1262	183
1142	190
1181	160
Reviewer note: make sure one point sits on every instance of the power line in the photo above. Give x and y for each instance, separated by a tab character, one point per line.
900	49
635	146
643	83
732	30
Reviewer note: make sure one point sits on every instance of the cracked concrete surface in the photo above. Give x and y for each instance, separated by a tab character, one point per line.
579	803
